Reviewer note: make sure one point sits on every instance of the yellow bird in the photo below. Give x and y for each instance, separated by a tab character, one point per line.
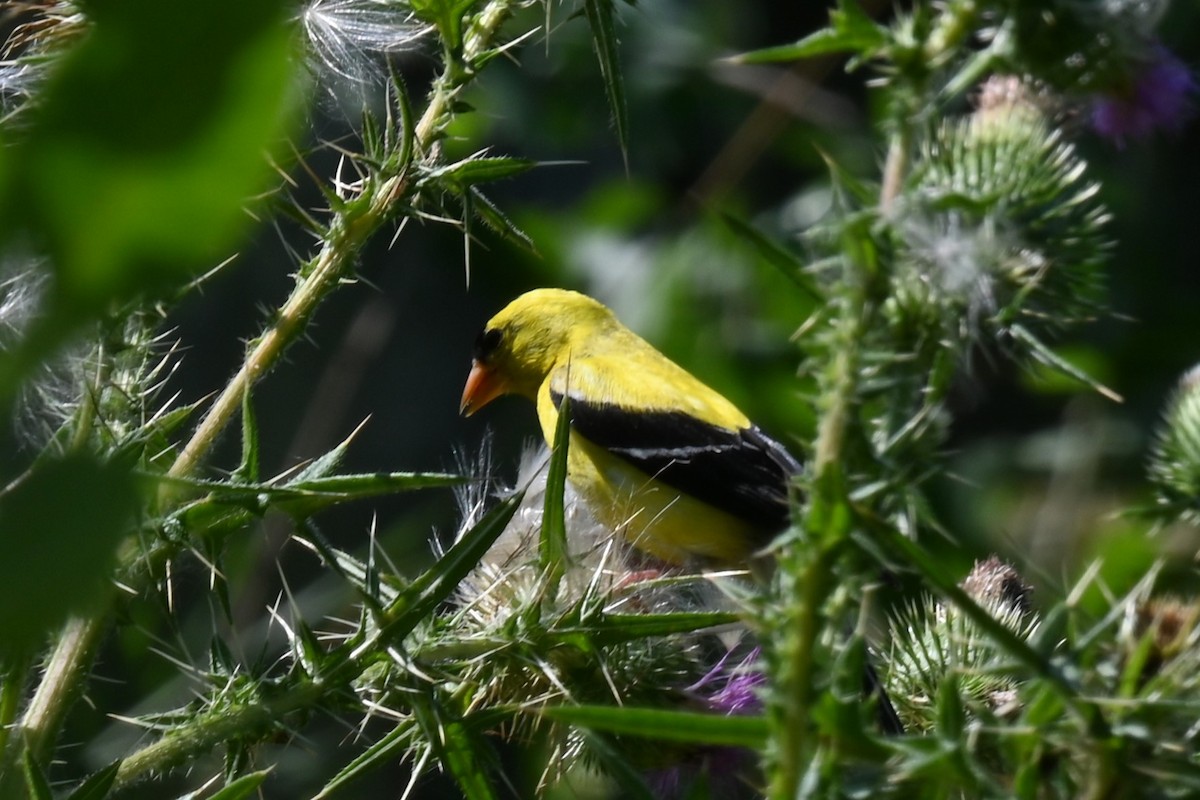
654	452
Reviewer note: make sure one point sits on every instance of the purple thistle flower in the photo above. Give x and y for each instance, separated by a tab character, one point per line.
728	690
737	687
1158	96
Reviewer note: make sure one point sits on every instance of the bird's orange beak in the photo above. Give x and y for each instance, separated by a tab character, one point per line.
483	386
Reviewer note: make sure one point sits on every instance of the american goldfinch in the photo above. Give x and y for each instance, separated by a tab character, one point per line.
654	452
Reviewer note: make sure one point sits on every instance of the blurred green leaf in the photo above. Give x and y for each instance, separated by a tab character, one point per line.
59	532
242	787
775	255
601	16
663	725
850	31
149	142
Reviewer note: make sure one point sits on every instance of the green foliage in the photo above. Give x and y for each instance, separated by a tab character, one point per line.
60	551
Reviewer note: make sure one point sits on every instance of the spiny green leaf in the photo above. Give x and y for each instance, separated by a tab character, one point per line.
326	464
612	629
664	725
306	497
433	586
601	17
480	169
495	219
552	551
461	753
384	752
242	787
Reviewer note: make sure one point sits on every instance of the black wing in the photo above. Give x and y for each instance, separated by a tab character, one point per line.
744	473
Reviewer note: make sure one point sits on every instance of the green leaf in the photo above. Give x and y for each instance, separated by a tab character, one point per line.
482	169
384	752
495	219
1054	361
242	787
97	785
460	753
850	31
601	15
247	471
423	595
306	497
775	255
663	725
327	463
612	629
160	117
59	533
447	16
552	550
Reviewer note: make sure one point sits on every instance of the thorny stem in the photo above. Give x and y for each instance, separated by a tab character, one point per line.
203	734
349	230
61	683
811	562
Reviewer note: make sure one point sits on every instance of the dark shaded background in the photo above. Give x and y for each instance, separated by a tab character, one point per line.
1037	466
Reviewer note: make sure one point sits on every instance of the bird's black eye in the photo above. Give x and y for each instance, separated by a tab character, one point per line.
486	343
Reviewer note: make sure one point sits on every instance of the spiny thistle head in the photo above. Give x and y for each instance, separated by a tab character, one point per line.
510	617
1001	226
933	642
1175	460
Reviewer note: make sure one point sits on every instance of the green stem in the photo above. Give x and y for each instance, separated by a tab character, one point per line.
248	722
810	563
63	679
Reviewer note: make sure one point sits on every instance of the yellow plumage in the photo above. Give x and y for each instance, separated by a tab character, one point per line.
655	453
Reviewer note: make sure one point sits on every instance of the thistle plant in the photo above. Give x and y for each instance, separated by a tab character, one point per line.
145	144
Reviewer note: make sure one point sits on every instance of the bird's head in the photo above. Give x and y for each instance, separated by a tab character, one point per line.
519	347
